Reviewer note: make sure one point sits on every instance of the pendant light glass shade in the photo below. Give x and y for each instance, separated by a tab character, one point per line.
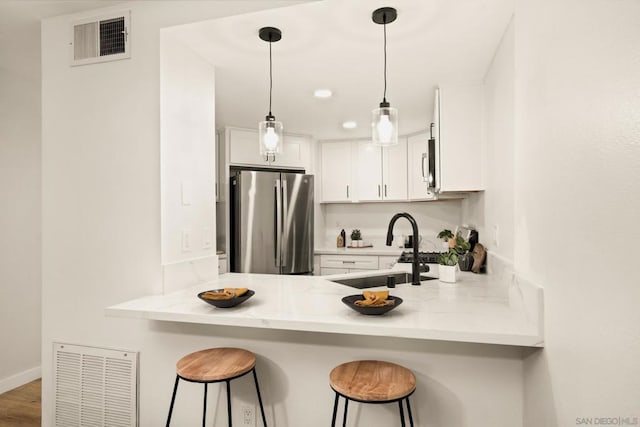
384	126
384	119
270	132
270	136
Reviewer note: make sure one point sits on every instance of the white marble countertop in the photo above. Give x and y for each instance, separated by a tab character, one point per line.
478	308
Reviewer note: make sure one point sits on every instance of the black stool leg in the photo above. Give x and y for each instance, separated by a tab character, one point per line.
204	411
409	411
401	413
173	399
346	405
255	379
335	411
229	402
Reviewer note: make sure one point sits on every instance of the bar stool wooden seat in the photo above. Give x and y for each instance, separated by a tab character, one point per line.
372	381
212	366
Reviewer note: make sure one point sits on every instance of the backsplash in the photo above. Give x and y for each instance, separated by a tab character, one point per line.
372	219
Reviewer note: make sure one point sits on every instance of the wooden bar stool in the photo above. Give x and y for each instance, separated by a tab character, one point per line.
215	365
372	381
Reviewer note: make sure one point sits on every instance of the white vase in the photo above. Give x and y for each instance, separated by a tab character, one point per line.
447	273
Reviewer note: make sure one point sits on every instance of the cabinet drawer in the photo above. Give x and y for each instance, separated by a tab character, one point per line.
363	262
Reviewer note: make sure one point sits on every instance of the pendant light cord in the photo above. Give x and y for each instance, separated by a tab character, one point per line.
384	26
270	75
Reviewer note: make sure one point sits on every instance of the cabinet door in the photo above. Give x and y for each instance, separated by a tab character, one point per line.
460	131
244	148
394	171
352	262
336	171
418	188
295	152
369	171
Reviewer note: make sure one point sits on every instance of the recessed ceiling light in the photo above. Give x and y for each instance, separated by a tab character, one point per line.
349	124
322	93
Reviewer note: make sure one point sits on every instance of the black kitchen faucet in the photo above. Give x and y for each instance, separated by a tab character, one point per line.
415	265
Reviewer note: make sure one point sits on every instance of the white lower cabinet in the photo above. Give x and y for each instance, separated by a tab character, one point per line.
351	262
341	264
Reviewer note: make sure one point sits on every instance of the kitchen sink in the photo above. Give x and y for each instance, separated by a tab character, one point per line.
374	281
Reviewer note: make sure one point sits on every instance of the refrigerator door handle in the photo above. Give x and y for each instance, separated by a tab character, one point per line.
278	224
285	222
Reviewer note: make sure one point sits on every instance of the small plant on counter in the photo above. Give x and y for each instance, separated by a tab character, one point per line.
355	235
445	235
462	246
448	258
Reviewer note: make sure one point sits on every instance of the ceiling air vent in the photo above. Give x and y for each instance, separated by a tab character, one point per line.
100	39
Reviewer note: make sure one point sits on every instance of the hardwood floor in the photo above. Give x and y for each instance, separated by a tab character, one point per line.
21	407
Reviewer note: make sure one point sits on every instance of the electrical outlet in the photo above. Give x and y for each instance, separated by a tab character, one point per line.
248	416
206	238
186	240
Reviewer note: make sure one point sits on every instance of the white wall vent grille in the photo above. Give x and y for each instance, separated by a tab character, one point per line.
100	39
95	387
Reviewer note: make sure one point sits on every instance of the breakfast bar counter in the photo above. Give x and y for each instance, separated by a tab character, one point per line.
478	308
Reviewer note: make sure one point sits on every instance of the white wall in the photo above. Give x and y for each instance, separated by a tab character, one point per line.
493	210
102	245
372	219
577	203
188	165
20	191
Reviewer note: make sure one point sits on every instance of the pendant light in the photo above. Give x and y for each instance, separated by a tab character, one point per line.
270	131
384	120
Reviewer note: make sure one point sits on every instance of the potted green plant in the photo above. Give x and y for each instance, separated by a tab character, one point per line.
465	260
356	238
448	262
447	238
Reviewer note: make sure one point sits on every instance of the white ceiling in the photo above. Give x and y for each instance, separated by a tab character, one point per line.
334	44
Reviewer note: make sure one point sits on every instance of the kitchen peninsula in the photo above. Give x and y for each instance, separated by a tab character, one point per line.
490	309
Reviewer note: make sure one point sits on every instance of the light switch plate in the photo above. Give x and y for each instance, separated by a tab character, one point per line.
185	193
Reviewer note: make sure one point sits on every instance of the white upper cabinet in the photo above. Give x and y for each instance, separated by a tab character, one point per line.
244	150
458	119
376	173
336	170
369	171
394	171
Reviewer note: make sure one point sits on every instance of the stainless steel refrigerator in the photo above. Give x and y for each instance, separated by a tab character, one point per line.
271	222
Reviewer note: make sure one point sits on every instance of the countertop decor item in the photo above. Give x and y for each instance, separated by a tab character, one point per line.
356	239
350	301
465	259
224	303
270	131
447	237
385	118
448	262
